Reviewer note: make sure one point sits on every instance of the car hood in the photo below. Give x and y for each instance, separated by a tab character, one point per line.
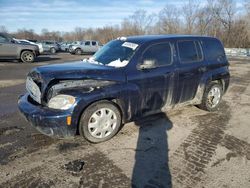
28	46
79	70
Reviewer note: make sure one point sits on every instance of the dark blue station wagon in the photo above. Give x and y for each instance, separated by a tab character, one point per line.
128	78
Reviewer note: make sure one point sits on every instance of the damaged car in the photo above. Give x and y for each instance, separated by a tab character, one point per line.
127	79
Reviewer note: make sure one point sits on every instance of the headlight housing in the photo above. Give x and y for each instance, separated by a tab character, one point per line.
62	102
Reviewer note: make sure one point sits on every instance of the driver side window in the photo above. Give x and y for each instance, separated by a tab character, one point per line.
159	54
3	39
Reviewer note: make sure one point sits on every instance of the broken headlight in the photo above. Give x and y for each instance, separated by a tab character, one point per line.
62	102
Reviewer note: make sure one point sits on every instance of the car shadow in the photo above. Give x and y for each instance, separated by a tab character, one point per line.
151	167
45	58
13	61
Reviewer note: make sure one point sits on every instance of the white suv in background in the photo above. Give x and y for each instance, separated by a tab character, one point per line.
86	47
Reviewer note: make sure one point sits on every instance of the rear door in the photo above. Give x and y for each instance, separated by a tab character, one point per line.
191	66
94	46
87	46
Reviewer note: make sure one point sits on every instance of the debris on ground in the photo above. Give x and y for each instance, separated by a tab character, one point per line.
74	166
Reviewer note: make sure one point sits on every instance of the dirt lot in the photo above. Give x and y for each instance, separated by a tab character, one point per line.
185	147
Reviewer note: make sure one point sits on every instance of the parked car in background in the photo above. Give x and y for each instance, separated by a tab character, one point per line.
65	46
23	41
10	49
50	46
127	79
86	47
74	43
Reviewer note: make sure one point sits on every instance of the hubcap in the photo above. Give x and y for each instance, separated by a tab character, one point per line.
214	97
102	123
27	57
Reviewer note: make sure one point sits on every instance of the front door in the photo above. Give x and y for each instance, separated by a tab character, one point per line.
156	83
7	48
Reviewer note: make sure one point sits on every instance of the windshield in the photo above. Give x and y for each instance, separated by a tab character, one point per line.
116	53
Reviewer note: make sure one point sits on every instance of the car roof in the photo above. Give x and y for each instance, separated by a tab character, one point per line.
150	38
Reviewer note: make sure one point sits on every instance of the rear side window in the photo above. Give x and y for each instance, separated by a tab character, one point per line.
161	54
214	51
93	43
87	43
189	51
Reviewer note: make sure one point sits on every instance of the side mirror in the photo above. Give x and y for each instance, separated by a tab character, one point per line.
148	64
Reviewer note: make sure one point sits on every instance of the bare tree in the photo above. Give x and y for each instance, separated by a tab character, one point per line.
218	18
3	29
224	11
239	35
169	20
204	20
190	13
137	24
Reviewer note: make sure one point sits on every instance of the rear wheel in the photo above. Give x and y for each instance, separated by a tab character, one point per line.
100	122
212	97
27	57
53	50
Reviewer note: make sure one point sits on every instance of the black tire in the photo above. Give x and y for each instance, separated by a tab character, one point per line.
207	100
52	50
78	51
87	117
27	57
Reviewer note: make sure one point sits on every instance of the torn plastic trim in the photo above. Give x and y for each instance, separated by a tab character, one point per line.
89	85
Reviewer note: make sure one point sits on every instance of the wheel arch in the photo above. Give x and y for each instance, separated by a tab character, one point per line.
222	81
116	102
22	50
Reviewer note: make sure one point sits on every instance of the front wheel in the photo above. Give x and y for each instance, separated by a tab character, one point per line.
78	51
27	57
100	122
212	97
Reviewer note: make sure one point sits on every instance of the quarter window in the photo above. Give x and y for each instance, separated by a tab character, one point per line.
160	54
189	51
215	51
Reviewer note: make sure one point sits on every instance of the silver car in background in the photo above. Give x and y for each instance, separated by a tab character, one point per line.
50	46
24	41
85	47
65	46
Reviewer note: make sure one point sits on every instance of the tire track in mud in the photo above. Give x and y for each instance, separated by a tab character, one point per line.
238	147
193	155
97	170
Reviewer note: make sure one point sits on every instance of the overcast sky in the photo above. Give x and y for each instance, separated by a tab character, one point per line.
65	15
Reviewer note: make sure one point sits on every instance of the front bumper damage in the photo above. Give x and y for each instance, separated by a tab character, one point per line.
48	121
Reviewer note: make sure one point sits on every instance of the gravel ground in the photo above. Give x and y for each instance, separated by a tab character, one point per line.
184	147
